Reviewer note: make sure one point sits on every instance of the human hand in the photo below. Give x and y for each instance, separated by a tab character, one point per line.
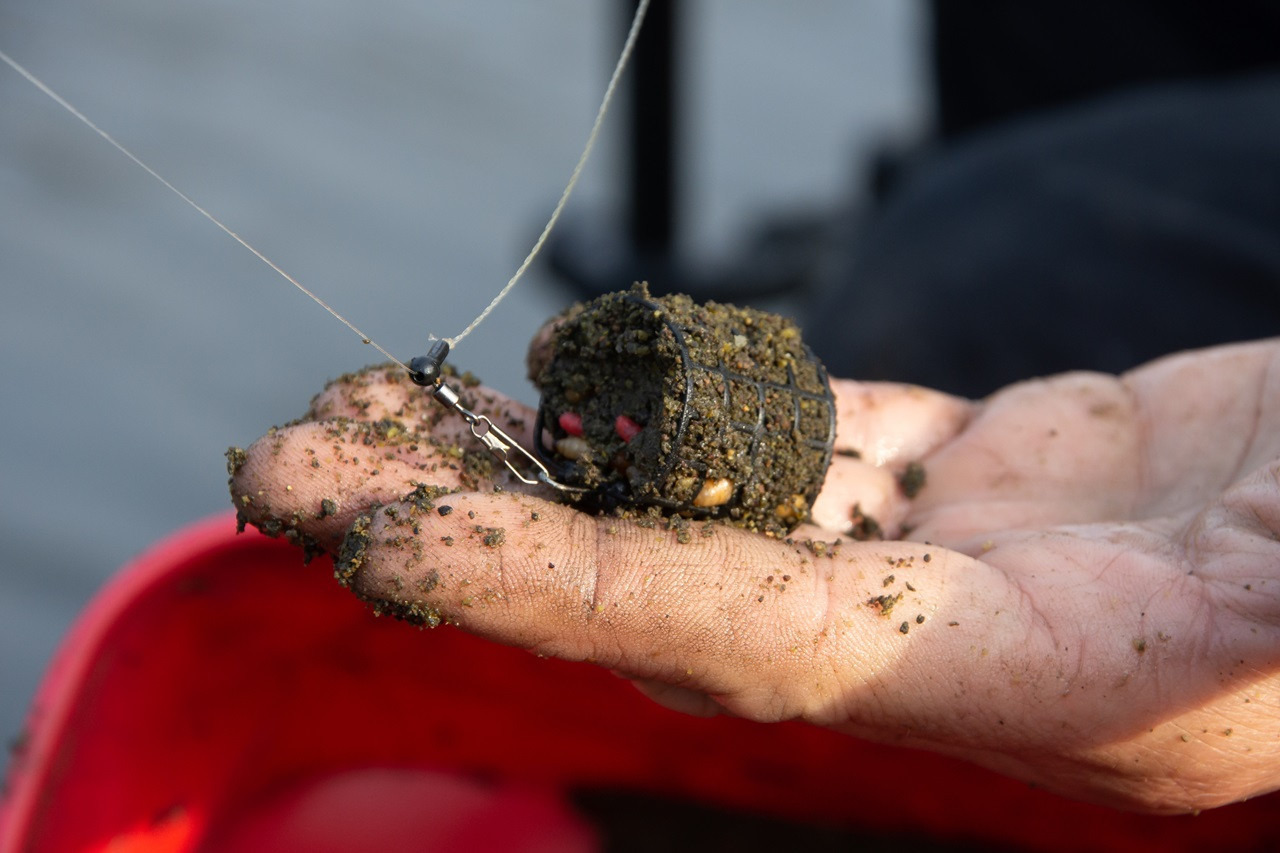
1098	612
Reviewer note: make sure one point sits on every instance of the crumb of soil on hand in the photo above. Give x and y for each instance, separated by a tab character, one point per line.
423	497
414	612
887	580
352	558
912	479
492	536
444	510
904	627
681	527
236	457
275	527
821	549
328	508
351	555
920	619
863	527
1139	644
884	603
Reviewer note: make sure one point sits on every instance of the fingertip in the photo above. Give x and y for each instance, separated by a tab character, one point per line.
477	559
890	423
316	477
859	499
373	393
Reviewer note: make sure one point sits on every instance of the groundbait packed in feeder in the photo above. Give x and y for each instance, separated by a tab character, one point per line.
702	410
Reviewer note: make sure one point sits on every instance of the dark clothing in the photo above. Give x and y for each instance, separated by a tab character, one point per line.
1095	236
996	59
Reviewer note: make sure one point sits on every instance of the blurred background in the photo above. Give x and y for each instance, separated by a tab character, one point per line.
398	158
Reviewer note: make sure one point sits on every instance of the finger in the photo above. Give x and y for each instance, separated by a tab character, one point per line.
887	423
880	428
861	500
385	392
769	629
1209	417
309	481
1063	450
542	346
1081	448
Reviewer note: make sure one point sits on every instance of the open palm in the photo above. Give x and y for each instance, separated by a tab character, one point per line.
1084	594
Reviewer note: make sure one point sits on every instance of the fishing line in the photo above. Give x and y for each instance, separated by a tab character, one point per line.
619	67
65	104
623	58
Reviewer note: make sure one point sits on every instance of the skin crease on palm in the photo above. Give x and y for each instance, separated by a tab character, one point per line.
1098	612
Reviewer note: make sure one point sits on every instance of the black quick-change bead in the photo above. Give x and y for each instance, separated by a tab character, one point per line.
425	369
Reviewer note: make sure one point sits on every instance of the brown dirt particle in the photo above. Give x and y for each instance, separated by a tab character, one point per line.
236	457
904	627
912	479
885	603
863	527
353	552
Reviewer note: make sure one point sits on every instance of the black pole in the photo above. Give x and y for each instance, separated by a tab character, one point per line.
651	224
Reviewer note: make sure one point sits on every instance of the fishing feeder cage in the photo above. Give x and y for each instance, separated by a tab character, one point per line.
698	410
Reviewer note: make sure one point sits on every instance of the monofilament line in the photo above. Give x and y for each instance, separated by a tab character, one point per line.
621	66
66	105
